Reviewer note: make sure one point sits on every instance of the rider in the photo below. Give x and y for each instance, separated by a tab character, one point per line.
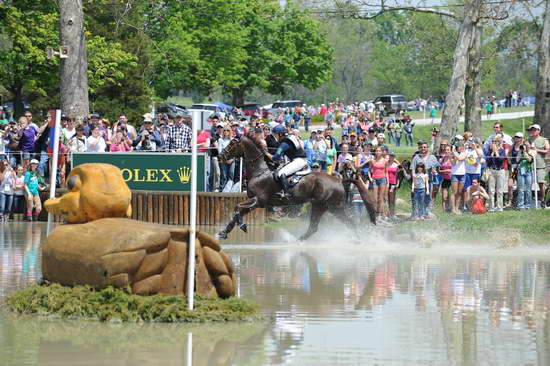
290	146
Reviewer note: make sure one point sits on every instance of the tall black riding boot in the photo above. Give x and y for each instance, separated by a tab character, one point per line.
285	184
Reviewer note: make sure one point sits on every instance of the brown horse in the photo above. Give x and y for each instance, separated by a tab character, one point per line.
325	192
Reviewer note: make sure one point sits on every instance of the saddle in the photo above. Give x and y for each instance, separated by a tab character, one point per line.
295	178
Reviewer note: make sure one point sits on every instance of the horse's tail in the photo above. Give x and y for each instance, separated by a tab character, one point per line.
363	191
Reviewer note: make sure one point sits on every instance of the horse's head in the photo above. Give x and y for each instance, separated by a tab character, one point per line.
232	150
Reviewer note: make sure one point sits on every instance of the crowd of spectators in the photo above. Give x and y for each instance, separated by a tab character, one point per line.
468	171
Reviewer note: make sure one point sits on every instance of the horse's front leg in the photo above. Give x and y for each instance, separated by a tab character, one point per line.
240	210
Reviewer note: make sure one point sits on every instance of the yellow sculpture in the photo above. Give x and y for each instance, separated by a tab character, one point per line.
105	248
95	191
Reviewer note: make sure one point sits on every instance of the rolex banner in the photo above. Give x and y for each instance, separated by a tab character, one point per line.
152	171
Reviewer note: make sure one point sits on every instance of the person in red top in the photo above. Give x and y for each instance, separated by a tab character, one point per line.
203	141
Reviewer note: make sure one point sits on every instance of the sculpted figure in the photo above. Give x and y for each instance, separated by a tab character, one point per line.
107	249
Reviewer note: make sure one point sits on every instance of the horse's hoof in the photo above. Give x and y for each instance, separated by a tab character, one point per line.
244	228
222	235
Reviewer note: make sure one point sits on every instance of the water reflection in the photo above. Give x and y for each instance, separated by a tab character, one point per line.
330	305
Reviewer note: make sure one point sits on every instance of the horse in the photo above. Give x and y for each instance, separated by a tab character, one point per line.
325	192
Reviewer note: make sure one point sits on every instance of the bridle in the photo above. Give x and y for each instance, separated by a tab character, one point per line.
229	149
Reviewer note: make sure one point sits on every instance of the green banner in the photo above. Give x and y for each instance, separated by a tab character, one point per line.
152	171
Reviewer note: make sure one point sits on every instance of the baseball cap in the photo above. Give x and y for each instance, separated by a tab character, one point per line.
459	137
353	134
34	161
518	134
392	154
371	130
536	126
381	136
315	165
95	115
220	125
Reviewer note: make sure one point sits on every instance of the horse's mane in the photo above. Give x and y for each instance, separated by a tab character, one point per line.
255	139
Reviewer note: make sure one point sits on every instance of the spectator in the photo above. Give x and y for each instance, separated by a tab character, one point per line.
28	116
7	183
320	149
362	160
458	172
33	187
497	179
148	138
77	143
540	148
4	140
344	158
408	130
215	173
475	197
18	193
446	165
308	147
398	130
513	161
93	122
421	190
433	113
430	162
353	142
123	122
524	175
95	142
392	168
227	168
68	130
378	171
381	141
179	136
507	139
371	138
27	137
474	159
119	143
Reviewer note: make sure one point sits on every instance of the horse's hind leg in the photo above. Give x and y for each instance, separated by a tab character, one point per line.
241	210
317	211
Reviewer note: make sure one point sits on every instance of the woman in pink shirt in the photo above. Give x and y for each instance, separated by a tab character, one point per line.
392	168
119	144
378	173
203	141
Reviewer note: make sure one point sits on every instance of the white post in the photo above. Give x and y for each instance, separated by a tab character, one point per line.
534	173
53	169
189	349
523	124
193	213
241	174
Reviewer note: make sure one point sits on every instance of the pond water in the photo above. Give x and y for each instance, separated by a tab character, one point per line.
329	303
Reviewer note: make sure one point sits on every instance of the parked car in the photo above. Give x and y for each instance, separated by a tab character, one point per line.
251	109
208	107
279	105
173	109
391	103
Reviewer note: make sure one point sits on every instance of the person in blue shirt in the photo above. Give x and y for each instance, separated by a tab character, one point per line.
308	147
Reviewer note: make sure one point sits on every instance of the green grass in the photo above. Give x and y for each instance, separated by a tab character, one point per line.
426	114
110	304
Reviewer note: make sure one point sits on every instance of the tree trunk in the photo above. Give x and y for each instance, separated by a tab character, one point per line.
542	106
74	68
18	107
238	97
472	94
457	84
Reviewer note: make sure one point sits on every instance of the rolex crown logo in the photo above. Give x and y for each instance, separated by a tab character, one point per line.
184	173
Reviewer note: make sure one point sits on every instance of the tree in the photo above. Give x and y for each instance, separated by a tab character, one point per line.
472	92
74	67
27	28
256	44
542	106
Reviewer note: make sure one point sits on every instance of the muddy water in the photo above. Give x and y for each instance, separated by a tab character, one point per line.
330	303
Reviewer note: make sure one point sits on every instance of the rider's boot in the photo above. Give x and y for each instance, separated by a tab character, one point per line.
286	185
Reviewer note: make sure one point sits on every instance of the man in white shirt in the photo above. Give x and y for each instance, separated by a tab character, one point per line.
507	139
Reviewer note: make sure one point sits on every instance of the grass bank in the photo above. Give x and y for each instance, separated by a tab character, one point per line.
110	304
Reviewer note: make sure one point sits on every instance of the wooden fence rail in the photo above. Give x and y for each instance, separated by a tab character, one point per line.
172	208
